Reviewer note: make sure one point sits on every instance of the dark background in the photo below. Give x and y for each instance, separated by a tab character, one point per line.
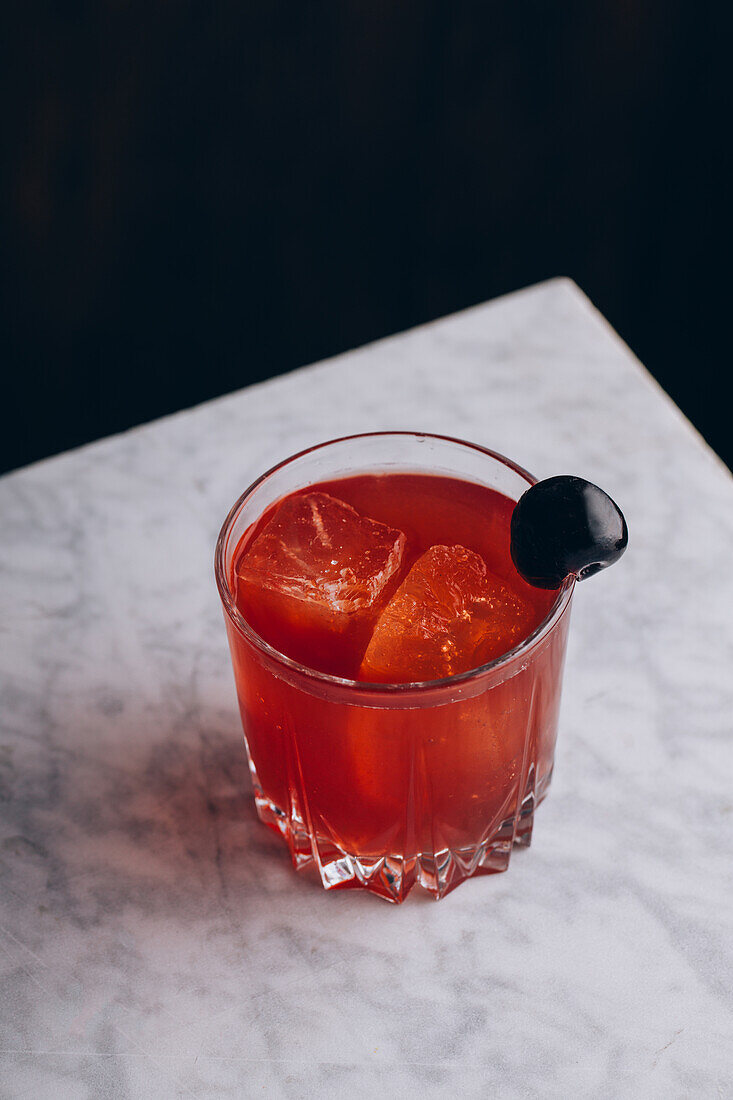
198	195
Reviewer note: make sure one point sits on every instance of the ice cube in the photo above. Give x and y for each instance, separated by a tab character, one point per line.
320	551
449	615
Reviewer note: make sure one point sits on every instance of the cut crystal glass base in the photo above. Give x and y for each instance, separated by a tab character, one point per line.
393	876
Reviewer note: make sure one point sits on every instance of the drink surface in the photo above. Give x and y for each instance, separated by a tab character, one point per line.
396	577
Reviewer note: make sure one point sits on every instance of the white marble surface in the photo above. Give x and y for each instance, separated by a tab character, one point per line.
155	941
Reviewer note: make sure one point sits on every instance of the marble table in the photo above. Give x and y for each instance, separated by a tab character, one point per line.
155	941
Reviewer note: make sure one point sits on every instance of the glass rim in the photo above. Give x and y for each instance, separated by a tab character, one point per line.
366	686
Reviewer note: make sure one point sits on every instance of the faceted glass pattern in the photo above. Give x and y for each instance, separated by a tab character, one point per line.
371	797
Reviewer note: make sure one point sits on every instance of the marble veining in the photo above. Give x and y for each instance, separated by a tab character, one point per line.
155	941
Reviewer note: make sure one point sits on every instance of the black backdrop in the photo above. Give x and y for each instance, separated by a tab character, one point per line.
198	195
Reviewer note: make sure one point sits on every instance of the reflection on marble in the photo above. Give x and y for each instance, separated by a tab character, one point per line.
155	941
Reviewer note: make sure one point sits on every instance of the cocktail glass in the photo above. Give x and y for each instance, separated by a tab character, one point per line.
384	786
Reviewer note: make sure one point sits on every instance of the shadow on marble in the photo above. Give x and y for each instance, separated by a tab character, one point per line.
114	813
204	807
118	811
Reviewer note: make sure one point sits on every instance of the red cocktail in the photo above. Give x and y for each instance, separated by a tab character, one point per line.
399	683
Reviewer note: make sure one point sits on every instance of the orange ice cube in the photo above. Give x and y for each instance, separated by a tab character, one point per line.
449	615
